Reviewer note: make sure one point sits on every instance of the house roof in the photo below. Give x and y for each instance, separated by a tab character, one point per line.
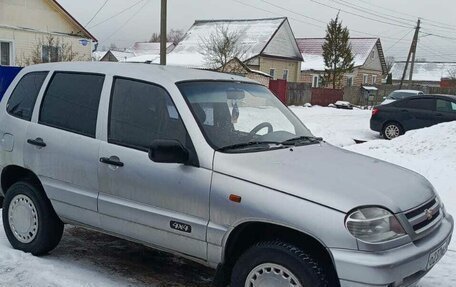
119	55
255	35
424	71
247	69
73	20
312	52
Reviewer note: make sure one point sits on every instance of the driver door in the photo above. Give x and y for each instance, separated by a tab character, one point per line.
161	204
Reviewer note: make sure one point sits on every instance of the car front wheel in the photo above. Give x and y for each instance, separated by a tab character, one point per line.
277	264
30	222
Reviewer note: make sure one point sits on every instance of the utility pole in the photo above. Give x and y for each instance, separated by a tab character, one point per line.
412	50
163	31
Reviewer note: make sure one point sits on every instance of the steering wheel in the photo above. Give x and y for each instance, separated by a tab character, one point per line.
259	127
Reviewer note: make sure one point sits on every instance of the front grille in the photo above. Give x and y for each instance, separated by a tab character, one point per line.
425	216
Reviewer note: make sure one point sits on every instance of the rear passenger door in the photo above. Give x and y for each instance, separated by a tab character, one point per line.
420	113
446	111
161	204
61	145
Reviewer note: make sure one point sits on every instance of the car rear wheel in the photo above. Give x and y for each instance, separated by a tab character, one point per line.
30	222
392	130
277	264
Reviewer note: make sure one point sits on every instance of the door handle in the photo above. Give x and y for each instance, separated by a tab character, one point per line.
111	161
37	142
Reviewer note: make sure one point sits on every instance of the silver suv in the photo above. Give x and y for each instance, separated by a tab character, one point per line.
211	167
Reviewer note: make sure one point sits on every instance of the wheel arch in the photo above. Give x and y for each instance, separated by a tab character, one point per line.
14	173
247	234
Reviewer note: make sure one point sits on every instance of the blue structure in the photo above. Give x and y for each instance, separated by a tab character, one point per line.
7	75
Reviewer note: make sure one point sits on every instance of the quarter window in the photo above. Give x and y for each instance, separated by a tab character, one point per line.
23	98
141	113
71	102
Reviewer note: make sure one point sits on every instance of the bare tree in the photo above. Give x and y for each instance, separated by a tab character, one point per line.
389	63
175	36
51	48
220	47
155	38
452	74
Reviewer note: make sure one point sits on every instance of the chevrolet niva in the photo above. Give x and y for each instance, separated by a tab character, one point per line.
212	167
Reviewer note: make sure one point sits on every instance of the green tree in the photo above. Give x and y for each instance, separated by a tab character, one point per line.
337	53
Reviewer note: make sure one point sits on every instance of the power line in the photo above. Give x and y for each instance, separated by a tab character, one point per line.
127	21
99	10
441	24
398	41
117	14
296	13
358	15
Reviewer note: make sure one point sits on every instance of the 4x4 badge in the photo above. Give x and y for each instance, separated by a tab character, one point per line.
180	226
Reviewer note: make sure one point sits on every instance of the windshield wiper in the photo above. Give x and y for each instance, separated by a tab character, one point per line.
246	145
301	140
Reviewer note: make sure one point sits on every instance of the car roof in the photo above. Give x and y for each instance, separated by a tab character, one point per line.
147	72
408	91
432	96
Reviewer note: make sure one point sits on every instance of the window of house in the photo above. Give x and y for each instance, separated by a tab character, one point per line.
5	53
373	54
285	75
50	54
349	81
374	79
315	81
365	79
23	98
141	113
272	73
71	102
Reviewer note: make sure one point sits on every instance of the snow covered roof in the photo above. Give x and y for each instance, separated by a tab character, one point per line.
312	52
256	37
146	48
424	71
143	58
98	55
119	55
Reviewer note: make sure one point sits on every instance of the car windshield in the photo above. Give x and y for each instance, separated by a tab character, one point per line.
243	117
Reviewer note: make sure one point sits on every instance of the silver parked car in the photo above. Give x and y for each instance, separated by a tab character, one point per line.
211	167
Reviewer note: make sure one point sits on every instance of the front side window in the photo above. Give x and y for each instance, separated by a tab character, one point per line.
446	106
421	104
71	102
23	98
241	116
142	112
5	53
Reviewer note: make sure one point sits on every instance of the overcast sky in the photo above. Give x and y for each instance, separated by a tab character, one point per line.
394	23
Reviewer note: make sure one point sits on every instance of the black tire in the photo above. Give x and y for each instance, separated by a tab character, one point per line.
305	268
50	227
394	125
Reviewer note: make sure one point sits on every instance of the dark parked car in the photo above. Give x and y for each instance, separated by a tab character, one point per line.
394	119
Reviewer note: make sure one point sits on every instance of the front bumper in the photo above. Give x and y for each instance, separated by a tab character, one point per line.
402	266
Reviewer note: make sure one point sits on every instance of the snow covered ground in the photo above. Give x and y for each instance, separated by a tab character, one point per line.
87	258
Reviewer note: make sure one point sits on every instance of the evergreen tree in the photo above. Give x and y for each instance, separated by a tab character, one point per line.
337	53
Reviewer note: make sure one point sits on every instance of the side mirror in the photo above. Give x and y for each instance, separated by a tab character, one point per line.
168	151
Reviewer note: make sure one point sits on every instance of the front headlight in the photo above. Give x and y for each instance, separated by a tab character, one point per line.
373	225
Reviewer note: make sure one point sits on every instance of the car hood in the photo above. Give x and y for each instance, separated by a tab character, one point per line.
329	176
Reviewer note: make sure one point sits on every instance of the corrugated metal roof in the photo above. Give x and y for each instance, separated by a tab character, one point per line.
424	71
312	51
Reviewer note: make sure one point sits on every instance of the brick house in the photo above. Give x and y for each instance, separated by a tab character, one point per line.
369	62
269	44
25	25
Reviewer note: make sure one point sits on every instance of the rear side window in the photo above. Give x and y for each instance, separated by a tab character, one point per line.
23	98
141	113
421	104
71	102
